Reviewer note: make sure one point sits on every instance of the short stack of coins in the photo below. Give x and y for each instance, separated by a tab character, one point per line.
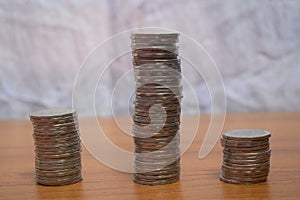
157	108
246	158
57	147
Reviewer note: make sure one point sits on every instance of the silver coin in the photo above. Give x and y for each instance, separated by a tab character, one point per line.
149	43
155	68
62	181
153	40
152	48
150	147
159	173
150	131
144	93
149	177
231	180
243	143
143	148
158	139
157	182
175	61
157	78
144	167
245	174
243	161
158	157
163	150
57	147
60	120
246	153
144	67
246	158
48	165
40	129
247	134
52	113
155	35
157	55
155	87
248	149
167	102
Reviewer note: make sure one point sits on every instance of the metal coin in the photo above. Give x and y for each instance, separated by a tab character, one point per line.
247	134
230	180
59	181
52	113
156	182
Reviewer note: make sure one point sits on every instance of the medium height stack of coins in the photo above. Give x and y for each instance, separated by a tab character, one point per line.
246	156
57	147
157	108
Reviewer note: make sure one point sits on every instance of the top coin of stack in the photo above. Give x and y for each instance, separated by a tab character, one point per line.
155	46
246	157
157	108
57	147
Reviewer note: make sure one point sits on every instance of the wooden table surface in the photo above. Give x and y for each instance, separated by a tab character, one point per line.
199	178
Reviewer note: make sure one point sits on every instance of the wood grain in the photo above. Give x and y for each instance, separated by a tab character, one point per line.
199	179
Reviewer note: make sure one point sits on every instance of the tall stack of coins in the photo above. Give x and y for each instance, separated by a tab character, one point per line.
157	108
57	147
246	157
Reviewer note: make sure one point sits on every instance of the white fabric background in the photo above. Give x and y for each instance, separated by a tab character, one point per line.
255	44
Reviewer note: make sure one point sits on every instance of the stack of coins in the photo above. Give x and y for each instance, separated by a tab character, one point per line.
57	147
157	108
246	157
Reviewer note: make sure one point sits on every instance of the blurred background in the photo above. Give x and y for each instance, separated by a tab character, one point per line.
255	45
